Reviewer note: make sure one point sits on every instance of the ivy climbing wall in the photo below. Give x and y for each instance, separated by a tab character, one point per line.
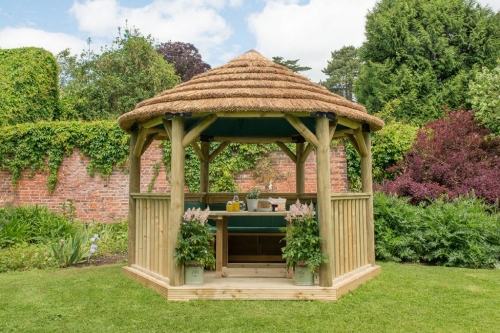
105	199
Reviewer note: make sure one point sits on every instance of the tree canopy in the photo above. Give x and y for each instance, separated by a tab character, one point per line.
343	70
484	94
107	85
185	58
291	64
419	54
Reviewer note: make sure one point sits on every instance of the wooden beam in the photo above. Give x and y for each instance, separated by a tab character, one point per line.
168	127
324	205
177	200
353	142
342	133
348	122
302	129
249	114
300	181
363	151
367	187
197	150
235	139
332	128
197	129
149	140
306	152
217	151
287	151
153	122
134	186
204	168
140	142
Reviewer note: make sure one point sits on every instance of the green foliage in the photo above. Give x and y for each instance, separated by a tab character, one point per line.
342	71
233	159
28	86
461	233
419	55
107	85
303	243
44	145
31	224
73	250
23	257
291	64
388	147
484	91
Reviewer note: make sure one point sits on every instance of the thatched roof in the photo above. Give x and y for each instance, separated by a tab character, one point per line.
250	82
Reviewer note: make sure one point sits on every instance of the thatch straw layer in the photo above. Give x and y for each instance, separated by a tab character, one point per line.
249	82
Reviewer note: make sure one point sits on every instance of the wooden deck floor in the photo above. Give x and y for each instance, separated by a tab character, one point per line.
253	286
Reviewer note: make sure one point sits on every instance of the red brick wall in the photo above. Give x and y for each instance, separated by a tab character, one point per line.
106	200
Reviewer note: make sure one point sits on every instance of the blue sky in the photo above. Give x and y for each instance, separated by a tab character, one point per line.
308	30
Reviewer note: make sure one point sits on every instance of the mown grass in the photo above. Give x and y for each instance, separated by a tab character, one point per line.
404	298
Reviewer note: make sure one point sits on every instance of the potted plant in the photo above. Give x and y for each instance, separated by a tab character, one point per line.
252	199
195	250
302	250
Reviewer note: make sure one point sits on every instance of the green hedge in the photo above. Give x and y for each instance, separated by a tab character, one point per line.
28	86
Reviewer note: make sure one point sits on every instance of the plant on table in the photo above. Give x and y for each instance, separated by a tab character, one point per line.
302	238
254	193
194	239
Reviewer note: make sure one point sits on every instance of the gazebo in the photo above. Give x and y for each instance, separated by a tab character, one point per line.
250	100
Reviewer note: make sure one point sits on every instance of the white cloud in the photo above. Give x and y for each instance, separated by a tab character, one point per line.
309	32
53	42
197	21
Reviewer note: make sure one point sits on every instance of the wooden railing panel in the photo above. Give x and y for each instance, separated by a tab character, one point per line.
349	219
152	214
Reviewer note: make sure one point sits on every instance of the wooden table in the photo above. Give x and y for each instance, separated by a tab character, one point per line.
221	217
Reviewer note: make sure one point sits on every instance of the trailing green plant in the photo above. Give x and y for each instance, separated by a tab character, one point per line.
464	232
28	86
195	239
43	146
302	238
233	159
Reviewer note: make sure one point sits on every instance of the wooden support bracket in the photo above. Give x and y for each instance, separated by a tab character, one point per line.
217	151
302	129
140	142
348	122
197	129
358	135
168	128
332	128
287	151
353	142
198	151
306	153
149	140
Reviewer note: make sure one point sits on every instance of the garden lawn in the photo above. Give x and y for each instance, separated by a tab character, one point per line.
404	298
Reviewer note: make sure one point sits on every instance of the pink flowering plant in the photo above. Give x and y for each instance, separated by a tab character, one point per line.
302	238
195	239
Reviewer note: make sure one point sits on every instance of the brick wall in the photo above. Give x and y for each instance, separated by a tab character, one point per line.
106	199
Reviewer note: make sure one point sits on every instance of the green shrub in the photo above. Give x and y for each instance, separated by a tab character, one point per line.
32	224
462	233
72	250
28	86
22	257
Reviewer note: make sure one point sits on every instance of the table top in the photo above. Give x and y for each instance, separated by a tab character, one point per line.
221	213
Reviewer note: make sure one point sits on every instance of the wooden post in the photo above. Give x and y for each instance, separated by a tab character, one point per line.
367	187
177	200
300	178
134	186
324	200
204	183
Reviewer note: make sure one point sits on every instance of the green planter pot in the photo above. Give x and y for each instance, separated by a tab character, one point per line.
303	276
193	274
